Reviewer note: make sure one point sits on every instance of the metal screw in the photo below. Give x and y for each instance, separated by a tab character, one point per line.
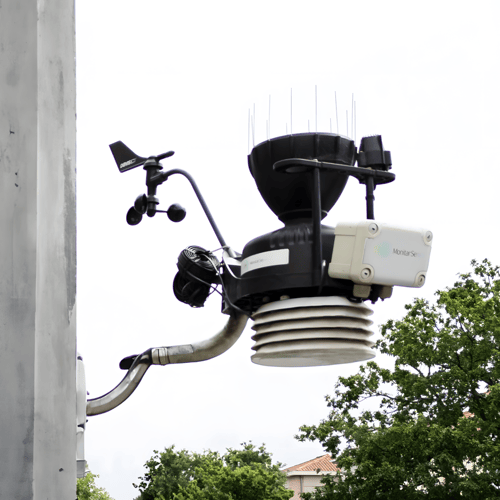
284	297
421	280
365	273
428	236
373	228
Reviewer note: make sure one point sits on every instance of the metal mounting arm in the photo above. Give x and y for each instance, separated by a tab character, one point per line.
188	353
365	175
202	201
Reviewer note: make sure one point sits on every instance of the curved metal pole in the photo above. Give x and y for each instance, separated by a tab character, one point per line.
206	349
188	353
124	389
200	199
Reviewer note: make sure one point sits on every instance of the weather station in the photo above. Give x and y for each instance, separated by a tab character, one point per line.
305	286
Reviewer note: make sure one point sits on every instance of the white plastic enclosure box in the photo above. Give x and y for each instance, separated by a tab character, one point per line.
370	252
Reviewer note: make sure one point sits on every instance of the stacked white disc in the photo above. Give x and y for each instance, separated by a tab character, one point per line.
312	331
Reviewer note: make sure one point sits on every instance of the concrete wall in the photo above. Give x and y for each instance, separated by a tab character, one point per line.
303	483
310	483
37	250
294	483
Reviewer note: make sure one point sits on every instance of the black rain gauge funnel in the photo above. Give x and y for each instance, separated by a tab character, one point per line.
293	196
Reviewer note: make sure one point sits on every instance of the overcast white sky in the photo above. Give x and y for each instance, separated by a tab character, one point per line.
164	75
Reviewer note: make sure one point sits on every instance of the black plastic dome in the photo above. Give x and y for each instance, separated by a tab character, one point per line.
289	195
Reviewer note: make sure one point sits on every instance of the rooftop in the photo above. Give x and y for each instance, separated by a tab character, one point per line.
323	463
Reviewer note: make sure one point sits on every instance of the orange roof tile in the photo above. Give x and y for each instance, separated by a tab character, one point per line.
323	463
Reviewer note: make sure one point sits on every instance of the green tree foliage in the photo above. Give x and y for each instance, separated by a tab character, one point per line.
246	474
86	489
418	443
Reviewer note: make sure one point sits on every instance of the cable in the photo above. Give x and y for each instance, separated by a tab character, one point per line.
225	296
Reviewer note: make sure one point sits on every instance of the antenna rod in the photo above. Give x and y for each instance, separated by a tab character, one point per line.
316	106
355	121
248	130
269	131
253	126
352	117
336	112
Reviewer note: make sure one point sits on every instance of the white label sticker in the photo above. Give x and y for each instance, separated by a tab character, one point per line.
265	259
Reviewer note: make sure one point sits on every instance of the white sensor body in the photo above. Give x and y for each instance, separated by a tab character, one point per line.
370	252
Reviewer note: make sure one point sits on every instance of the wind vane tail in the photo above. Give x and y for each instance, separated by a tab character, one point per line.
125	158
